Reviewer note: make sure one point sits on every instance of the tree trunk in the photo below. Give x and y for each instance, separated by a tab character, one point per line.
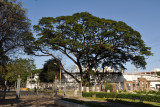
5	88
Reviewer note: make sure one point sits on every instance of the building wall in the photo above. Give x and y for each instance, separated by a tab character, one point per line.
153	85
153	79
110	77
115	78
31	85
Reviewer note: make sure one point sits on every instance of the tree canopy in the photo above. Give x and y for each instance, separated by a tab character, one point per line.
14	32
22	67
14	28
50	70
90	41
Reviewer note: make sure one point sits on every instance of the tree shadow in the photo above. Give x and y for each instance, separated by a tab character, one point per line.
9	102
25	103
108	103
137	104
31	100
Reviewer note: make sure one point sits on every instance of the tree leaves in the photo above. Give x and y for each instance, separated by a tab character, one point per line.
90	41
14	28
50	70
19	67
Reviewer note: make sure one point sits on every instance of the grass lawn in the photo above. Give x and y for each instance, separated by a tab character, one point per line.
97	102
129	102
87	103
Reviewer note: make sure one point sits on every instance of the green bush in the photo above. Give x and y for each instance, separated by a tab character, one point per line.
158	73
152	98
108	86
100	94
148	92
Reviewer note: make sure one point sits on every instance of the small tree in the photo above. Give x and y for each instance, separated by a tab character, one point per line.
50	69
158	73
108	86
17	67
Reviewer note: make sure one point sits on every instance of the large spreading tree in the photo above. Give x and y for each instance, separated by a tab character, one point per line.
14	31
90	41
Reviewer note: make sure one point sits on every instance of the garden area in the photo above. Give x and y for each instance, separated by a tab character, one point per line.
112	99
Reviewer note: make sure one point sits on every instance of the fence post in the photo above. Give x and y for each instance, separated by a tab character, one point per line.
5	89
18	87
65	88
80	88
55	89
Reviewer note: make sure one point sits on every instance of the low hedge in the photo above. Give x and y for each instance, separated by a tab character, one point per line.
100	94
152	98
148	92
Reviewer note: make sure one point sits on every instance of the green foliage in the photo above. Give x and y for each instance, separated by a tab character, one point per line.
108	86
50	70
36	71
90	41
152	98
158	73
148	92
2	74
15	32
100	94
15	27
85	82
19	67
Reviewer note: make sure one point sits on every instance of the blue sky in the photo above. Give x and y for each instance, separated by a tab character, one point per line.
141	15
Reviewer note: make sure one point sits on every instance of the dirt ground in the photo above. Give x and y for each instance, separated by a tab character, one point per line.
28	101
43	101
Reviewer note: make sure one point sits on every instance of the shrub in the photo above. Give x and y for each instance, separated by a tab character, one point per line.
148	92
100	94
108	86
152	98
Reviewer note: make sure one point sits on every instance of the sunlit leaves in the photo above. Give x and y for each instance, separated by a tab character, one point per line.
15	29
19	67
91	41
50	70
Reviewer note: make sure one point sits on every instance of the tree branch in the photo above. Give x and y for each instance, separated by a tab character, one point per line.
61	65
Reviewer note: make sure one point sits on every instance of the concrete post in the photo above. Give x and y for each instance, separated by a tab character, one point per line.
135	87
55	88
81	88
5	89
125	87
119	86
87	89
140	85
148	85
131	86
18	87
65	88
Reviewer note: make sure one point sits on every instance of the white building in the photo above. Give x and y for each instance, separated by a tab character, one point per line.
115	77
110	76
32	81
